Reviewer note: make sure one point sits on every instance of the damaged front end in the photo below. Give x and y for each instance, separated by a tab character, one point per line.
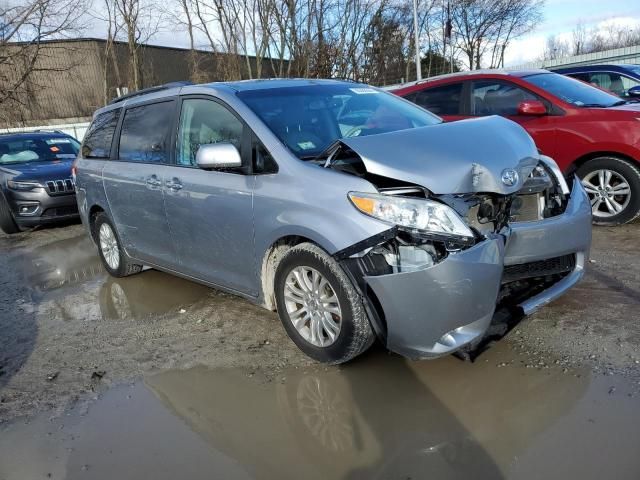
456	270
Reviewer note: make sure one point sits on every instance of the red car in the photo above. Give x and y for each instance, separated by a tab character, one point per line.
586	130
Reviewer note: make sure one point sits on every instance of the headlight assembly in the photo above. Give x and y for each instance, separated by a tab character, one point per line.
412	213
23	186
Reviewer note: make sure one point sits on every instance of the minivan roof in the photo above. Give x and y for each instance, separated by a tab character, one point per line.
174	88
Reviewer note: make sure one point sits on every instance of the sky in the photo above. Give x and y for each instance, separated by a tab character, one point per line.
561	17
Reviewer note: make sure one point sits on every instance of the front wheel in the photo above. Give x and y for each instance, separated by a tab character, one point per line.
7	222
613	187
319	307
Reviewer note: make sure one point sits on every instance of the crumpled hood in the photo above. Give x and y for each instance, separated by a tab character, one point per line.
458	157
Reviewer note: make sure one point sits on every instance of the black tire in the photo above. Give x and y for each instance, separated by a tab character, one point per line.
125	266
7	222
622	169
355	334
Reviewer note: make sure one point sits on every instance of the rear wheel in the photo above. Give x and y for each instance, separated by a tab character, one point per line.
319	306
7	222
613	186
113	256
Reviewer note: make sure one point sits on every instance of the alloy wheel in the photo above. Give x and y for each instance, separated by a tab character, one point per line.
109	246
312	306
609	192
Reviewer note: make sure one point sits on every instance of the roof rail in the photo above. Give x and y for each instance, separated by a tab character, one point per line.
46	130
344	79
144	91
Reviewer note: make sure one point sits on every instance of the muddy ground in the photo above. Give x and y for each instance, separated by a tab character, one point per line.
159	375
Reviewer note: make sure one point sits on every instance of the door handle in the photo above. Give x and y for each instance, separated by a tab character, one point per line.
174	184
153	181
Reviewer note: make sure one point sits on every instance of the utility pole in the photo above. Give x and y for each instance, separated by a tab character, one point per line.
417	36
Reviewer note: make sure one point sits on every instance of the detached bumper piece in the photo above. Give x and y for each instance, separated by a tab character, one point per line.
426	298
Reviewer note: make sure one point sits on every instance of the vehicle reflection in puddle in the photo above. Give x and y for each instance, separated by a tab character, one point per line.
382	417
379	418
64	263
147	294
71	270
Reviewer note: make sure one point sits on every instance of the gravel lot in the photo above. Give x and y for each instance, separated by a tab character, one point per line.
68	331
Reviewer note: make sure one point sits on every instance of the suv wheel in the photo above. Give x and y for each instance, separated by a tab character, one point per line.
613	186
319	306
113	257
7	222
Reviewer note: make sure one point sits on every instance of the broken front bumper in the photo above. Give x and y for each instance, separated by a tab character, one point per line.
442	308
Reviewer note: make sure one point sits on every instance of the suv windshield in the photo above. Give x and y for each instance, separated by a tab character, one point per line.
309	119
573	91
25	148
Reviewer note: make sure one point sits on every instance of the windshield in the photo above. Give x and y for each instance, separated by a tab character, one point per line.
309	119
23	149
573	91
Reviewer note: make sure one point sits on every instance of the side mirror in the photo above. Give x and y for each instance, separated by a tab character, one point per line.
532	108
218	155
634	92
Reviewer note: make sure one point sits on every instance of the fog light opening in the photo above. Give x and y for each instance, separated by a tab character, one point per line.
27	210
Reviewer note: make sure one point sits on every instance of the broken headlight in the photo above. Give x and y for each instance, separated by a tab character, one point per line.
412	213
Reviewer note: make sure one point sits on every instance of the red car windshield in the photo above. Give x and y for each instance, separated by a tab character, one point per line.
573	91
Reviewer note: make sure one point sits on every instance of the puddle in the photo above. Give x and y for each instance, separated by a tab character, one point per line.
71	270
381	417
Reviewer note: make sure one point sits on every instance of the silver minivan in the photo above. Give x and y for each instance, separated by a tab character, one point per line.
352	212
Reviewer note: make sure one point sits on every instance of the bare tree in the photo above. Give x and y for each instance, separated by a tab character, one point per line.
554	48
484	27
579	35
25	26
139	23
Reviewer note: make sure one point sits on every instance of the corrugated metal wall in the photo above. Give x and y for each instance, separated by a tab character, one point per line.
70	83
617	55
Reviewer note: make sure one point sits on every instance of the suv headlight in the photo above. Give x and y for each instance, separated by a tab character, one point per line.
23	185
417	214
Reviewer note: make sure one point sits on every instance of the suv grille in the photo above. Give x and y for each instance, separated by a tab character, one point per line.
59	187
542	268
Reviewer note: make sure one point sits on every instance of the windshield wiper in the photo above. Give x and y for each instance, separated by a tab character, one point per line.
618	103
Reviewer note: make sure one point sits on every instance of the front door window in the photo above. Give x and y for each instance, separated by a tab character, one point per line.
204	122
497	98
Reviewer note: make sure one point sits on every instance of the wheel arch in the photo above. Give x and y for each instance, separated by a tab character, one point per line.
270	260
580	161
93	213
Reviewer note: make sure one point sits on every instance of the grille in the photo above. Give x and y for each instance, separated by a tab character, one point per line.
60	211
542	268
59	187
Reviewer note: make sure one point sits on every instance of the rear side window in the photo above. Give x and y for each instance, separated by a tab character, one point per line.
145	133
97	140
443	100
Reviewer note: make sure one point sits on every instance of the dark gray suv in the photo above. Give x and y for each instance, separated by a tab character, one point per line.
36	185
352	212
